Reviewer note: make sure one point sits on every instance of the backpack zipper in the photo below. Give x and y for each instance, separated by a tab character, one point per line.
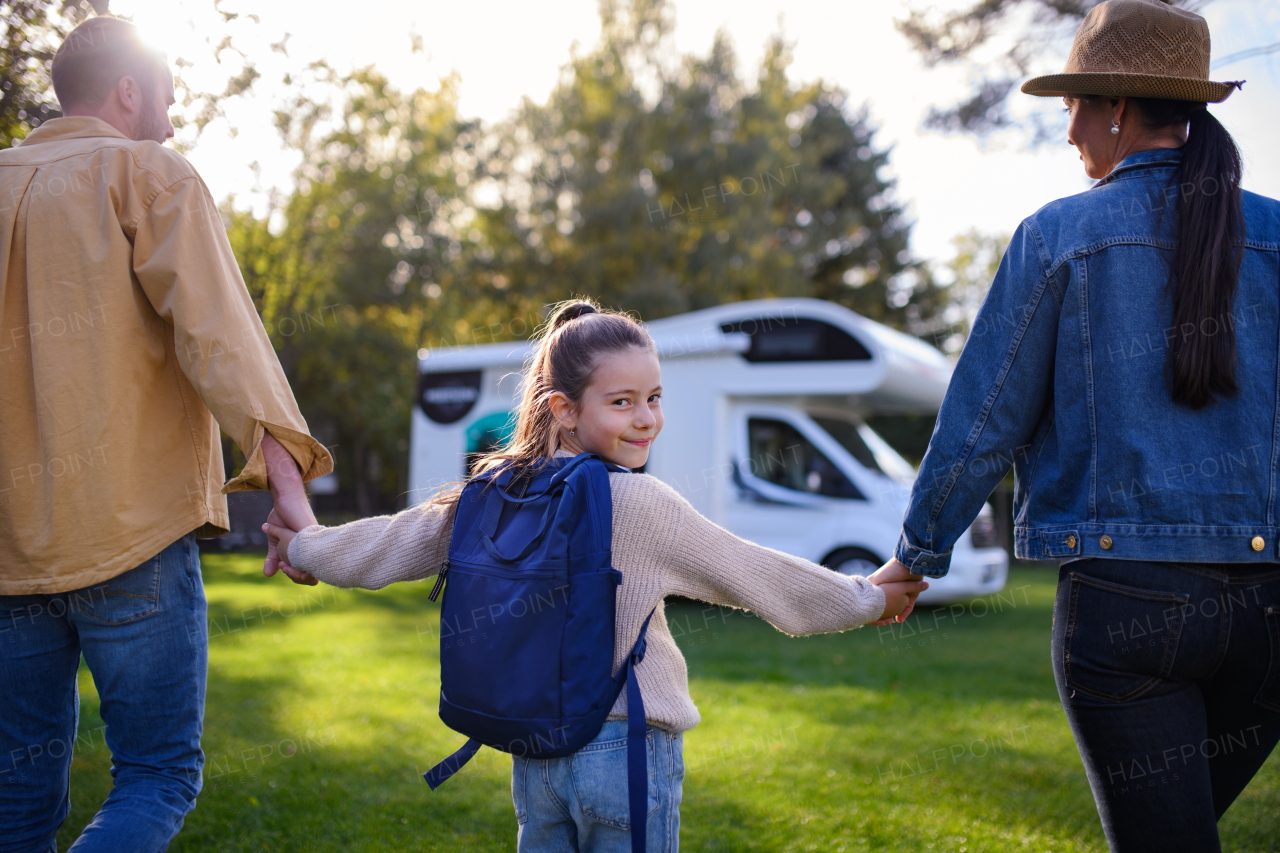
435	590
503	573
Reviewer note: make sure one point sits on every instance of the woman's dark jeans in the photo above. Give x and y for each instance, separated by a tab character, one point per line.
1170	677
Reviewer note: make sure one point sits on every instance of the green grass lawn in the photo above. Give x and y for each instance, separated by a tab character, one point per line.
944	736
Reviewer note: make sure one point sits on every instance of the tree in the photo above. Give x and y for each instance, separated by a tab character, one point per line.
655	188
965	280
963	285
347	270
664	190
1001	42
33	30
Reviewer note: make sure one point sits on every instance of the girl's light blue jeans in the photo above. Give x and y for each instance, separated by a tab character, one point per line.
579	802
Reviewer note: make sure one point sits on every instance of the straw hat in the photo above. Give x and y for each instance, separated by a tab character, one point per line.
1137	48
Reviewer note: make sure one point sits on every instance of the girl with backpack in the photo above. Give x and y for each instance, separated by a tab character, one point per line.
594	386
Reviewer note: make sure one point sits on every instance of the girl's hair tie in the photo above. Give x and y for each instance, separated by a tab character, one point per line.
572	312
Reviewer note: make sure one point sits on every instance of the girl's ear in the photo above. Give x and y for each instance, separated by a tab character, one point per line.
562	409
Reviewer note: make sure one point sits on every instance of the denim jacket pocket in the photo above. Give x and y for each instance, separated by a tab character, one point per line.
599	772
1120	640
1269	694
125	598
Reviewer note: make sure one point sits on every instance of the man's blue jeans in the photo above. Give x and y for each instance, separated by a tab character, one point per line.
1170	677
144	636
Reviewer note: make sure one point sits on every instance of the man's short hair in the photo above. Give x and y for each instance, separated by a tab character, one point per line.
96	55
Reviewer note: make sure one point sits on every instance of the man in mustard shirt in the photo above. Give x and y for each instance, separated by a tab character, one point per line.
126	338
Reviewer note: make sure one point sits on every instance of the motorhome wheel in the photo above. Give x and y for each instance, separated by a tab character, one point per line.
853	561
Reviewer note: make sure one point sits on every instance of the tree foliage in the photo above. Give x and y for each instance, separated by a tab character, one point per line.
378	206
656	183
1000	43
966	278
33	30
654	186
666	190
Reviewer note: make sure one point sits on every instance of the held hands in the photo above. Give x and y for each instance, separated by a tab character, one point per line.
900	590
278	538
292	511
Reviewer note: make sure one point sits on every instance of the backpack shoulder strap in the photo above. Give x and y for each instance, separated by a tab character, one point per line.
637	765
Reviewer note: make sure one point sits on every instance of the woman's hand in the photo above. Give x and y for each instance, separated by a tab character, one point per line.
278	539
900	588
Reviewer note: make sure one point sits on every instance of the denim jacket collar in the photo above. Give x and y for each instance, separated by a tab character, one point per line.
1143	160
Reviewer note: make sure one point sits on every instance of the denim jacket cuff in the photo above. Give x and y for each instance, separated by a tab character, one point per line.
920	561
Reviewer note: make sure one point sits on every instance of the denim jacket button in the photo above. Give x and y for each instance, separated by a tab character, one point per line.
1258	543
1071	541
1105	542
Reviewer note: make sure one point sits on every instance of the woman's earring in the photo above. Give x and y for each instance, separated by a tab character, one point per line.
571	432
1115	126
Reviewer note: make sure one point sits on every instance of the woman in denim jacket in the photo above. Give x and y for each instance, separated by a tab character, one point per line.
1125	365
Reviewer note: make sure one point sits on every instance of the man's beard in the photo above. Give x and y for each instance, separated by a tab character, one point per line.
152	125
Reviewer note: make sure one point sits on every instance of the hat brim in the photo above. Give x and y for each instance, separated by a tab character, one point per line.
1120	85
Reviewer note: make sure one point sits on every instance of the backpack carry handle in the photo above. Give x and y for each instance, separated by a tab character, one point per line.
486	536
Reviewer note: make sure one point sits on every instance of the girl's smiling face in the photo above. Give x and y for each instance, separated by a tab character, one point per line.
620	413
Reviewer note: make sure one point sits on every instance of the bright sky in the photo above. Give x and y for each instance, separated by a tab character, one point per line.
505	51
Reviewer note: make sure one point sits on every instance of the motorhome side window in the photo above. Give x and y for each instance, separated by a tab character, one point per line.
779	454
797	339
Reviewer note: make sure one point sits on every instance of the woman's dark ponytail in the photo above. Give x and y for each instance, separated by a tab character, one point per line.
1201	363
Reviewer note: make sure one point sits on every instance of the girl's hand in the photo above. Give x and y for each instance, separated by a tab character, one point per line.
278	539
900	588
272	564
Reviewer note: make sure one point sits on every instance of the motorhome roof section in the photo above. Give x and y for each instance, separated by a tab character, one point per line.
783	346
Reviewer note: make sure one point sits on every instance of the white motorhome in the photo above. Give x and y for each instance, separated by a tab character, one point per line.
764	404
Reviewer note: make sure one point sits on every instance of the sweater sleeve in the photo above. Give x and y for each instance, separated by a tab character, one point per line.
709	563
373	552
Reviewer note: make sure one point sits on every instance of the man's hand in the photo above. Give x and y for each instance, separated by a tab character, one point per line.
278	538
900	590
285	482
292	510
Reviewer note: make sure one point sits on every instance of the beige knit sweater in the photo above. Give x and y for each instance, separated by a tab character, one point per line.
661	545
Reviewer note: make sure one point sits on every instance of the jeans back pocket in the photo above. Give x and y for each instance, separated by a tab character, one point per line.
599	772
1120	640
1269	694
125	598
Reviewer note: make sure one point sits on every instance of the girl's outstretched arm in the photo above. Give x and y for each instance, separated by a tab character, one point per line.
373	552
709	563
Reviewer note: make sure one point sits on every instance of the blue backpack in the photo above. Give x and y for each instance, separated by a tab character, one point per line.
527	623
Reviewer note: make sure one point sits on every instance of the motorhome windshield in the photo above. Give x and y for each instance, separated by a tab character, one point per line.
782	455
865	445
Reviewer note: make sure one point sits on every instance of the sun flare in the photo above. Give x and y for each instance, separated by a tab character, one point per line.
167	26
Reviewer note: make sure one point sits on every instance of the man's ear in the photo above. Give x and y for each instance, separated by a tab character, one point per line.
129	94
